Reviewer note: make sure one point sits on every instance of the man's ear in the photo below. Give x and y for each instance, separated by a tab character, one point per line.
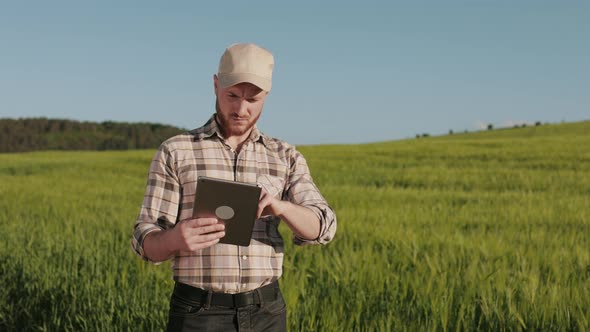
215	82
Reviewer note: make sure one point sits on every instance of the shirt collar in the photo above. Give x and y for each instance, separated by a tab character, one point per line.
211	128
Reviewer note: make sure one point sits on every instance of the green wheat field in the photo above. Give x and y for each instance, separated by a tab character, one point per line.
479	231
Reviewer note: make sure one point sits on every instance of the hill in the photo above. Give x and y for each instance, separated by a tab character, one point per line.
32	134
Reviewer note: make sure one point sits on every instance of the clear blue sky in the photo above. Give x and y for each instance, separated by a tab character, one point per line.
346	72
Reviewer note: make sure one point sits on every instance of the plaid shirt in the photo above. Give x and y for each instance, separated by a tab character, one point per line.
275	165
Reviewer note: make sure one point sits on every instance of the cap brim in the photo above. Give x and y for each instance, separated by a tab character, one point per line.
229	79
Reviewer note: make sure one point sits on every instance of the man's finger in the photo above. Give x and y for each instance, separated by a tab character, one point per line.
263	203
263	192
201	238
199	222
217	227
203	245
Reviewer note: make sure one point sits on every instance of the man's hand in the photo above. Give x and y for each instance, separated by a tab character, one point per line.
301	220
187	235
195	234
269	205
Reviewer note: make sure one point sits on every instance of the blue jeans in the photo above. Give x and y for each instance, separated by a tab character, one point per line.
190	315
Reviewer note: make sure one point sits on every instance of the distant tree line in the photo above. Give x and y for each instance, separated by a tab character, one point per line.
30	134
489	126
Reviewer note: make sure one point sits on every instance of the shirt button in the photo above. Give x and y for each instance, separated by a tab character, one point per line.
244	257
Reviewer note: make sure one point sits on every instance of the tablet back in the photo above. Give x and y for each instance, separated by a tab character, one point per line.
235	203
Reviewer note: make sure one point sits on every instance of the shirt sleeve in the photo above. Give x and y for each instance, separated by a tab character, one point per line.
159	209
301	190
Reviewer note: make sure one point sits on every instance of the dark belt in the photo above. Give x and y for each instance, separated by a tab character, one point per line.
208	298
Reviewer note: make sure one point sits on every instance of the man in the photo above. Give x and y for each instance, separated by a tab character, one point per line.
224	287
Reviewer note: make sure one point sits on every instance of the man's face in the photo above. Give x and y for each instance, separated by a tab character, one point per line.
238	107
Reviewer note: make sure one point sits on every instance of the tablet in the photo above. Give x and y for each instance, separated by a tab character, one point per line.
236	203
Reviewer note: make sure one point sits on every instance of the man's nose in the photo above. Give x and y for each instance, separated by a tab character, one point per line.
243	107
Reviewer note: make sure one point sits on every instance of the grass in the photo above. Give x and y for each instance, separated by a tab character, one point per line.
480	231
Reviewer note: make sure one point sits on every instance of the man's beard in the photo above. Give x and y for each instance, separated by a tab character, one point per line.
225	122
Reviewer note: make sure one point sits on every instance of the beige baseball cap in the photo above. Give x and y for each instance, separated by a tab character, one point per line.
246	63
